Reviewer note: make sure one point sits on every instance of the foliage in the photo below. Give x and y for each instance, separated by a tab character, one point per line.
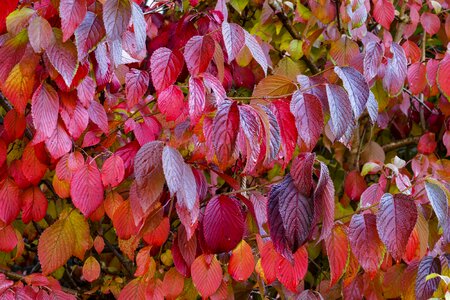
247	149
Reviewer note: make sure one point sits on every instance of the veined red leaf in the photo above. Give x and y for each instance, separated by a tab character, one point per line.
307	110
324	205
242	262
97	114
225	130
256	51
384	13
340	110
88	34
9	200
269	262
365	242
356	87
40	34
165	66
63	57
124	221
417	78
212	83
290	274
439	201
135	289
148	160
113	171
116	16
159	235
412	51
272	131
91	269
343	51
251	127
136	84
302	172
34	204
354	185
86	188
173	284
425	288
32	167
206	275
223	224
72	13
198	53
338	253
288	131
14	124
44	109
197	98
86	91
395	73
443	76
8	241
233	38
171	102
430	22
396	219
6	8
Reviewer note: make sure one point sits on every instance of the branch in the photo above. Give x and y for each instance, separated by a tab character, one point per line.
290	28
18	277
401	143
401	26
119	256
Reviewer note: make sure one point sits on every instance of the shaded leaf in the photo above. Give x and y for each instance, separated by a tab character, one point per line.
116	16
206	275
425	288
338	252
91	269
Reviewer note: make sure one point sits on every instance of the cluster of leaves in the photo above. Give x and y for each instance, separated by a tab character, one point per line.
251	149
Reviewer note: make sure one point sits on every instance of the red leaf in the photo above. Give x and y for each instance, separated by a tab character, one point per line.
165	66
86	91
340	110
242	262
443	76
354	185
72	13
302	171
425	288
206	275
396	219
417	78
173	284
32	167
256	51
124	222
225	131
324	205
116	16
6	7
59	143
412	51
14	124
9	200
430	22
288	130
198	53
136	84
113	171
139	26
338	252
356	87
223	224
251	127
171	102
395	73
3	152
384	13
8	240
91	269
88	34
40	34
365	242
63	56
307	110
86	189
233	38
44	109
197	98
290	274
97	114
372	59
427	143
158	236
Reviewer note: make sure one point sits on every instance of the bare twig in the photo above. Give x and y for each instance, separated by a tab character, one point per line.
401	143
119	256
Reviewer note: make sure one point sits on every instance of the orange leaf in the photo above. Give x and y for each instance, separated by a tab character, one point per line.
206	277
158	236
173	283
91	269
242	262
290	274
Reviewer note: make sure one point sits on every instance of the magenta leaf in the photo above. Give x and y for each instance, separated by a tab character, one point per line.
340	110
356	87
198	52
225	130
396	70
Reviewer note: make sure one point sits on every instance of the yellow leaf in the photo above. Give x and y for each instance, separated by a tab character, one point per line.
18	20
62	240
274	85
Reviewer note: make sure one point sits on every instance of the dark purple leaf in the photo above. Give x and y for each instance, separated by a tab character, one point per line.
425	288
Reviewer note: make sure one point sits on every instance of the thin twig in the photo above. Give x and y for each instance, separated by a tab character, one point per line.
401	143
119	256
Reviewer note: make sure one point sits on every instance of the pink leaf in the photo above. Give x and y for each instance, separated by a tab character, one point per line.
340	110
225	130
88	34
356	87
384	13
63	56
116	16
97	114
136	84
113	171
430	22
223	224
417	78
307	110
59	142
86	189
233	38
197	98
165	66
171	102
395	73
44	109
72	13
198	53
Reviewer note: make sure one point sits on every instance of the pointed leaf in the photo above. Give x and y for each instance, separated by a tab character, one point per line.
233	38
206	275
113	171
395	73
171	102
165	66
44	109
337	246
91	269
9	200
72	13
136	84
290	274
242	262
225	130
356	87
116	16
425	288
340	110
198	53
256	51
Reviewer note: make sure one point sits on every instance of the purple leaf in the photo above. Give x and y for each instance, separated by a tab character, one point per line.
340	110
324	201
372	59
233	38
302	171
396	70
425	288
225	130
356	87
